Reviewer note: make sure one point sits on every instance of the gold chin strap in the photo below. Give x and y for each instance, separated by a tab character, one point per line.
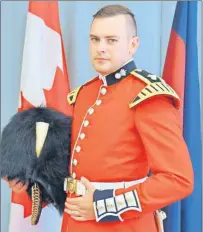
41	134
36	204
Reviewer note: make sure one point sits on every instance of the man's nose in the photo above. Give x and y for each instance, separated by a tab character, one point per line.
101	46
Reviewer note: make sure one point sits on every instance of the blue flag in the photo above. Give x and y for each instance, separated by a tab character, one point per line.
181	72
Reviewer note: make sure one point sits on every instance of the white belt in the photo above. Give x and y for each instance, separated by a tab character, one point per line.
76	186
116	185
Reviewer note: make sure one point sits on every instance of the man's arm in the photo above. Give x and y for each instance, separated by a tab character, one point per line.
159	127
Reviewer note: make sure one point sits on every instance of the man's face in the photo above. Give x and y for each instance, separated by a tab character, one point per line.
111	43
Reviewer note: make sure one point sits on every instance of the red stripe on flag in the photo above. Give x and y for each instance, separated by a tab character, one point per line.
48	11
174	67
57	97
24	103
23	199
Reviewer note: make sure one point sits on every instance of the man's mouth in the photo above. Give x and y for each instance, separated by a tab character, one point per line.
101	59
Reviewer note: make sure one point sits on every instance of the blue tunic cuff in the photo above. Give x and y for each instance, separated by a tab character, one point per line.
108	207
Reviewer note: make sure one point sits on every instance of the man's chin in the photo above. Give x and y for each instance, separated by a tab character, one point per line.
102	69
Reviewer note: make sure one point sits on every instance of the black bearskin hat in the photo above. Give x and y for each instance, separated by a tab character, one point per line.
35	148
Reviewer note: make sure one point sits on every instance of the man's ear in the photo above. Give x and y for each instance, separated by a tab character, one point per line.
134	44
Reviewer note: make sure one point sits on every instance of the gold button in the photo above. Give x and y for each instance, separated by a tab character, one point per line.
103	91
86	123
98	102
78	149
75	162
119	202
91	111
100	207
129	198
82	136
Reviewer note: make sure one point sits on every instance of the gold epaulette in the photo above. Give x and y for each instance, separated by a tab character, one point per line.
73	95
154	86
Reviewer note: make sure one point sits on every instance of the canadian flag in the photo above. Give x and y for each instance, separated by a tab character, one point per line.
44	81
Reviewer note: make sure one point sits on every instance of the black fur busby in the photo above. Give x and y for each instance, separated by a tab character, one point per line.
35	148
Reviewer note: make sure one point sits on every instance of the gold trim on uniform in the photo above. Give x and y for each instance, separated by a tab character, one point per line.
137	74
155	86
73	95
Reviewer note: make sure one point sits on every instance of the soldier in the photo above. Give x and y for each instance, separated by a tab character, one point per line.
126	124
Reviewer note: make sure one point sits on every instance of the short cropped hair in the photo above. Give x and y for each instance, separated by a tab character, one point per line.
113	10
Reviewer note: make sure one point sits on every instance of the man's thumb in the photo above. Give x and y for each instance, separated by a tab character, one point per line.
87	184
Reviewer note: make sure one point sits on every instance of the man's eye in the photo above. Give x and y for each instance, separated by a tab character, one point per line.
111	41
94	39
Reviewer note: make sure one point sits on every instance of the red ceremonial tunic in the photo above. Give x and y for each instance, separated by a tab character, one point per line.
122	129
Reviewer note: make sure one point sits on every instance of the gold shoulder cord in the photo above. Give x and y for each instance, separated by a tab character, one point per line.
154	86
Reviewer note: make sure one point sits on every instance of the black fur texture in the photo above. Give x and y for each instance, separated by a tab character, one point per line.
18	156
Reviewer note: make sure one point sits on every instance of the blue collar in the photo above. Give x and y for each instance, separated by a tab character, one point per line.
119	74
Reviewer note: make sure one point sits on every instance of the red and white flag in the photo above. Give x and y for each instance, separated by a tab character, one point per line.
44	81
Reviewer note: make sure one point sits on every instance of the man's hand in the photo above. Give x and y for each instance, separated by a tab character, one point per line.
16	186
81	208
